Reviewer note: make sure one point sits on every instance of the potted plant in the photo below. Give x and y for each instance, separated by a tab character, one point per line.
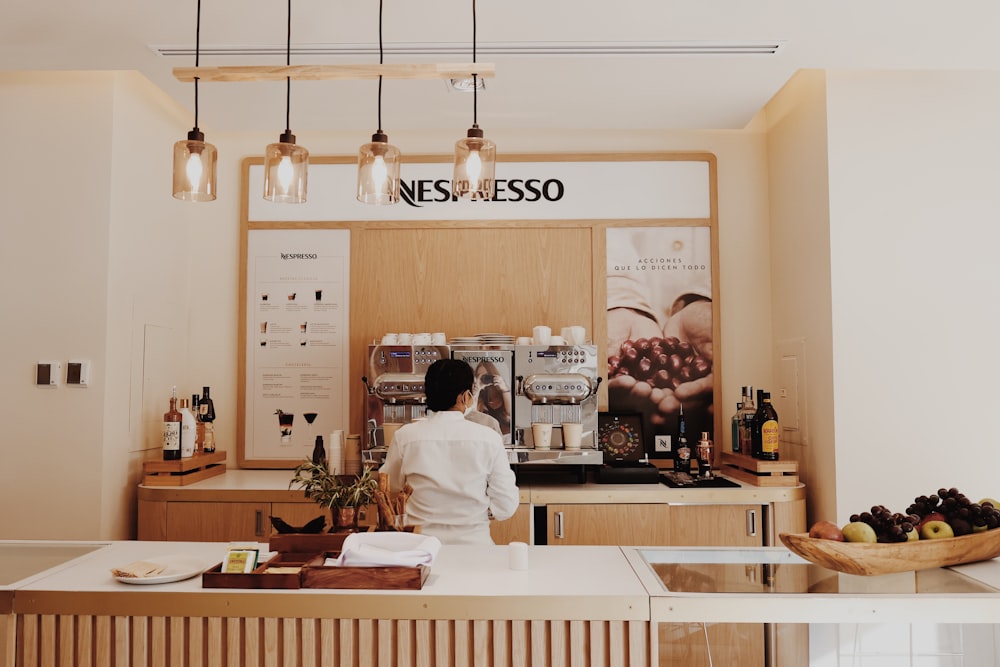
341	494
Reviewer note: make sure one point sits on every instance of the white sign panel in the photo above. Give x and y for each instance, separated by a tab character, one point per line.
297	340
525	191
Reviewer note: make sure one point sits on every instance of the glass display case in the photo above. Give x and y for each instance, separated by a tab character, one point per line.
767	606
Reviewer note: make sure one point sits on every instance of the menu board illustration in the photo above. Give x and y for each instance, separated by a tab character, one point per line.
296	339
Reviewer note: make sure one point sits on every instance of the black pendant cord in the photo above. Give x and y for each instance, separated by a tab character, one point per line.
475	79
288	79
381	60
197	58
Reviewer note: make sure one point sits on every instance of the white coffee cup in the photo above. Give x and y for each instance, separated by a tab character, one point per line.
524	340
517	556
571	432
439	338
422	339
406	339
541	335
577	335
541	435
390	339
557	340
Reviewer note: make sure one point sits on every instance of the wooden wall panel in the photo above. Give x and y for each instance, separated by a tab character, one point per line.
503	278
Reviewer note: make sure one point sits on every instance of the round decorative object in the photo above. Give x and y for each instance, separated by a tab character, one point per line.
620	439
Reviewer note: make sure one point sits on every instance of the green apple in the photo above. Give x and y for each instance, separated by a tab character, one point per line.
913	535
991	501
979	529
935	530
859	531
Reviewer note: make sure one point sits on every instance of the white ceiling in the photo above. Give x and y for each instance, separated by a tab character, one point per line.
559	64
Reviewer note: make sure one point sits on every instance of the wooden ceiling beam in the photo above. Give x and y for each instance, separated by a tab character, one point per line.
335	72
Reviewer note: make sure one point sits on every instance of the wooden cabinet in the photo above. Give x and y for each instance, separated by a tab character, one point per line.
217	522
717	525
515	529
631	524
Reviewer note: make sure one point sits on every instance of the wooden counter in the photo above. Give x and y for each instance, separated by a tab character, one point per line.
579	605
236	506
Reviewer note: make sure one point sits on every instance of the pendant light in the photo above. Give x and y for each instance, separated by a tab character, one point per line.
286	163
475	156
378	161
194	160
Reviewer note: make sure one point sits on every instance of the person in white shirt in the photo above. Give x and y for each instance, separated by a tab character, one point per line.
458	469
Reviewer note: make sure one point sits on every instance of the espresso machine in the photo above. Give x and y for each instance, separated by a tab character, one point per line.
394	392
557	385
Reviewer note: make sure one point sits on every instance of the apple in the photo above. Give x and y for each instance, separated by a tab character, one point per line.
913	535
935	530
991	501
933	516
826	530
979	529
859	531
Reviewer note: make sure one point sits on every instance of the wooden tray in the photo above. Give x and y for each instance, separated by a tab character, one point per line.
758	472
869	559
183	471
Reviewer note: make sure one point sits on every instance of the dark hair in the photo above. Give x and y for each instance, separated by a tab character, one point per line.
445	380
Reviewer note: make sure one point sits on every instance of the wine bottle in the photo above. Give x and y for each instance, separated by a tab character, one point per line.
172	431
770	431
758	421
199	433
682	452
736	426
189	429
746	422
319	452
206	409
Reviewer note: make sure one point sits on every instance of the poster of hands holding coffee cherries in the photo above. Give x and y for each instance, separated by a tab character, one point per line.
659	348
297	292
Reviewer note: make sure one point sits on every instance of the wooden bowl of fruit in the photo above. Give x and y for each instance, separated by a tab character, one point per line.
937	531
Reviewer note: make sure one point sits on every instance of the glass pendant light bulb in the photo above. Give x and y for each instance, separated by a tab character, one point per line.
378	171
475	167
286	171
195	168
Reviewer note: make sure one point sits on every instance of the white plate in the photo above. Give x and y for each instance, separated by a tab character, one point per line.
179	568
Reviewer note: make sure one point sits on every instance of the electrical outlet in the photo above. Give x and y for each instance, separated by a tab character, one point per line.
662	443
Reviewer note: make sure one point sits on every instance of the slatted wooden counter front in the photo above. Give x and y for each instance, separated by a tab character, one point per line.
574	605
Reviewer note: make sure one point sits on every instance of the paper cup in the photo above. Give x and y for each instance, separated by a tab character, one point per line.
571	432
389	431
541	335
541	435
517	556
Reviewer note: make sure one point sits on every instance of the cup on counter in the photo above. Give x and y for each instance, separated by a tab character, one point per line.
541	335
389	431
422	339
438	338
390	339
541	435
406	339
571	432
575	335
517	555
557	340
524	340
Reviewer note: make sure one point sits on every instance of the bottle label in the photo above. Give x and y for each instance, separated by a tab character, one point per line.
209	437
769	433
684	453
172	436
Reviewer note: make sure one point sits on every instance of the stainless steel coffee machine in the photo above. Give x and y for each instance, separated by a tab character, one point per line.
557	385
394	392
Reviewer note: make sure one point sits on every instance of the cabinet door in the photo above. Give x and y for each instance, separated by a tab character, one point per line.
639	525
515	529
217	522
717	525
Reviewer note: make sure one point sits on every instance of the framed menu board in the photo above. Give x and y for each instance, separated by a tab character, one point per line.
294	342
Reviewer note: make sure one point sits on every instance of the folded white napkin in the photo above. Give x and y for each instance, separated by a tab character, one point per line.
387	549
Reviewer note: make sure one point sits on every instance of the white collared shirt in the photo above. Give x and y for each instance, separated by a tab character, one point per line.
459	473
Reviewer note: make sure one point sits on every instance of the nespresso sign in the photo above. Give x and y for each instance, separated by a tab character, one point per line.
526	190
419	193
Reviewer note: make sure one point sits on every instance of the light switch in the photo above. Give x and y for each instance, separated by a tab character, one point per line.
47	373
77	373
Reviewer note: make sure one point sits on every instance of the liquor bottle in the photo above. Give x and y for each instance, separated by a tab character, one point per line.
770	431
758	420
736	426
189	428
319	452
206	409
172	431
746	422
682	452
199	434
706	456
